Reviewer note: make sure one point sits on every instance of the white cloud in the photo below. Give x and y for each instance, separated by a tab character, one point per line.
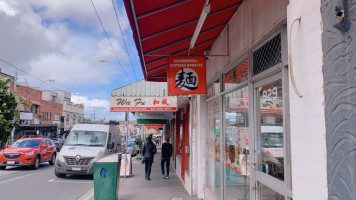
6	8
54	50
98	108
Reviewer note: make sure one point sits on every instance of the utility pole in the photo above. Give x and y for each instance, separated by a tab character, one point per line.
94	114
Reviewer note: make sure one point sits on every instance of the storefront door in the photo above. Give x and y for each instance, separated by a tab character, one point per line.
269	139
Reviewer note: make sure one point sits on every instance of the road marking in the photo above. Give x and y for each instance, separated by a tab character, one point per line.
88	195
54	181
15	178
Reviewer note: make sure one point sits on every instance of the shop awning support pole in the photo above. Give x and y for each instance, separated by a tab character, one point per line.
127	138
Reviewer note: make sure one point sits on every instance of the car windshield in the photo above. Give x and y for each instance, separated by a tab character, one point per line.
86	138
272	140
26	143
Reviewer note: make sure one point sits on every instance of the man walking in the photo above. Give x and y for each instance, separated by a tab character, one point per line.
148	152
166	156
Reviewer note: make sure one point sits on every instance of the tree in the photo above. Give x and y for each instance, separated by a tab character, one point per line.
8	105
138	141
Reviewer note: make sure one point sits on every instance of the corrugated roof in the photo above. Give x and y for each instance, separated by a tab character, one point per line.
142	88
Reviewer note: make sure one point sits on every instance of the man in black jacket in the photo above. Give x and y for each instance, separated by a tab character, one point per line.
148	152
166	156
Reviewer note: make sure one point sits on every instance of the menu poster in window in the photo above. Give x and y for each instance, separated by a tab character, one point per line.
236	75
186	75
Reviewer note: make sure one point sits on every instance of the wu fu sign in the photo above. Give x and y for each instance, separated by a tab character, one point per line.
186	75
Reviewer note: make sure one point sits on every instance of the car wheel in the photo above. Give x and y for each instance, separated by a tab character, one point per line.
2	167
59	175
36	163
51	162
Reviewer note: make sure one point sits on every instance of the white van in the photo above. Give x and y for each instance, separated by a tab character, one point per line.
85	144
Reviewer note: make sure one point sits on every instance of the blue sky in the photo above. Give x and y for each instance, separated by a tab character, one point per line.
64	40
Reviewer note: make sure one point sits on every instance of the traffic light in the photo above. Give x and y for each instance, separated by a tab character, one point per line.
62	118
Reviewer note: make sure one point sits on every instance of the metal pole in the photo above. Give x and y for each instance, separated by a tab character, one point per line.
127	133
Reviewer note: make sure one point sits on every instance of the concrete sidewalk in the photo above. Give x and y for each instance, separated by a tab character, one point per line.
136	187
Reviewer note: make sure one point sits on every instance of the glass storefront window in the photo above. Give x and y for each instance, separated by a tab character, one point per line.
237	167
267	193
236	75
213	147
270	145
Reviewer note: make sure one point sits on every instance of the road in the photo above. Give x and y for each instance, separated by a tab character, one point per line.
22	183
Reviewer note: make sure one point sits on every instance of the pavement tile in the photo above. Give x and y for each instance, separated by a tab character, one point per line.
136	187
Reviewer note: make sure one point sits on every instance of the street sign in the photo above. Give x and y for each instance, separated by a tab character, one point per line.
151	121
186	75
154	115
143	104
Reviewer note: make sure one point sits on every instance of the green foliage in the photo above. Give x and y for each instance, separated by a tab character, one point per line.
138	142
8	110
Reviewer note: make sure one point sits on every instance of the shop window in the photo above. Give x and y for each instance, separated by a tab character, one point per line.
235	76
213	147
45	116
236	146
268	55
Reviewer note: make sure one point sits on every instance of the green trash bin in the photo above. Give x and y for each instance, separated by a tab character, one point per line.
106	177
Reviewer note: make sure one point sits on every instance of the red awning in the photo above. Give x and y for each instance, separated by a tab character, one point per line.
165	27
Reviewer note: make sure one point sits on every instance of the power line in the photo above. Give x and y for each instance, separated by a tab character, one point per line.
27	73
96	12
117	19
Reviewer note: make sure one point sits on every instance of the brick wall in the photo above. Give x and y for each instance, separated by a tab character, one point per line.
44	106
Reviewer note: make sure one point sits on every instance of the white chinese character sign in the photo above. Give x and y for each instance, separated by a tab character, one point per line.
186	75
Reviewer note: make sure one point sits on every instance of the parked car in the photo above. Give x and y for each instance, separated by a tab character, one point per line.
28	152
58	142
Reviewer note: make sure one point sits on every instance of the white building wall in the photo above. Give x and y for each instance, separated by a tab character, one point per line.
75	112
308	140
252	21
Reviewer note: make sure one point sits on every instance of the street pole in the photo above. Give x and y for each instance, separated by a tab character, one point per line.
127	138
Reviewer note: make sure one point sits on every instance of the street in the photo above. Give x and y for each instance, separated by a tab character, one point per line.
23	183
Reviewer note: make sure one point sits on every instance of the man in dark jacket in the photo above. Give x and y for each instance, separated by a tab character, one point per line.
148	152
166	156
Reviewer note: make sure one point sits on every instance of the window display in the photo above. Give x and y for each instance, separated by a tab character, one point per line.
237	167
213	147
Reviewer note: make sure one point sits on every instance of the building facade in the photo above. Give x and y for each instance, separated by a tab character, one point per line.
278	118
72	113
40	117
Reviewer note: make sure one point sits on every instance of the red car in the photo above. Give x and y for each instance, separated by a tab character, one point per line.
28	152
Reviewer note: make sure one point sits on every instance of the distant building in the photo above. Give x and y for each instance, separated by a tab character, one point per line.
72	113
40	117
